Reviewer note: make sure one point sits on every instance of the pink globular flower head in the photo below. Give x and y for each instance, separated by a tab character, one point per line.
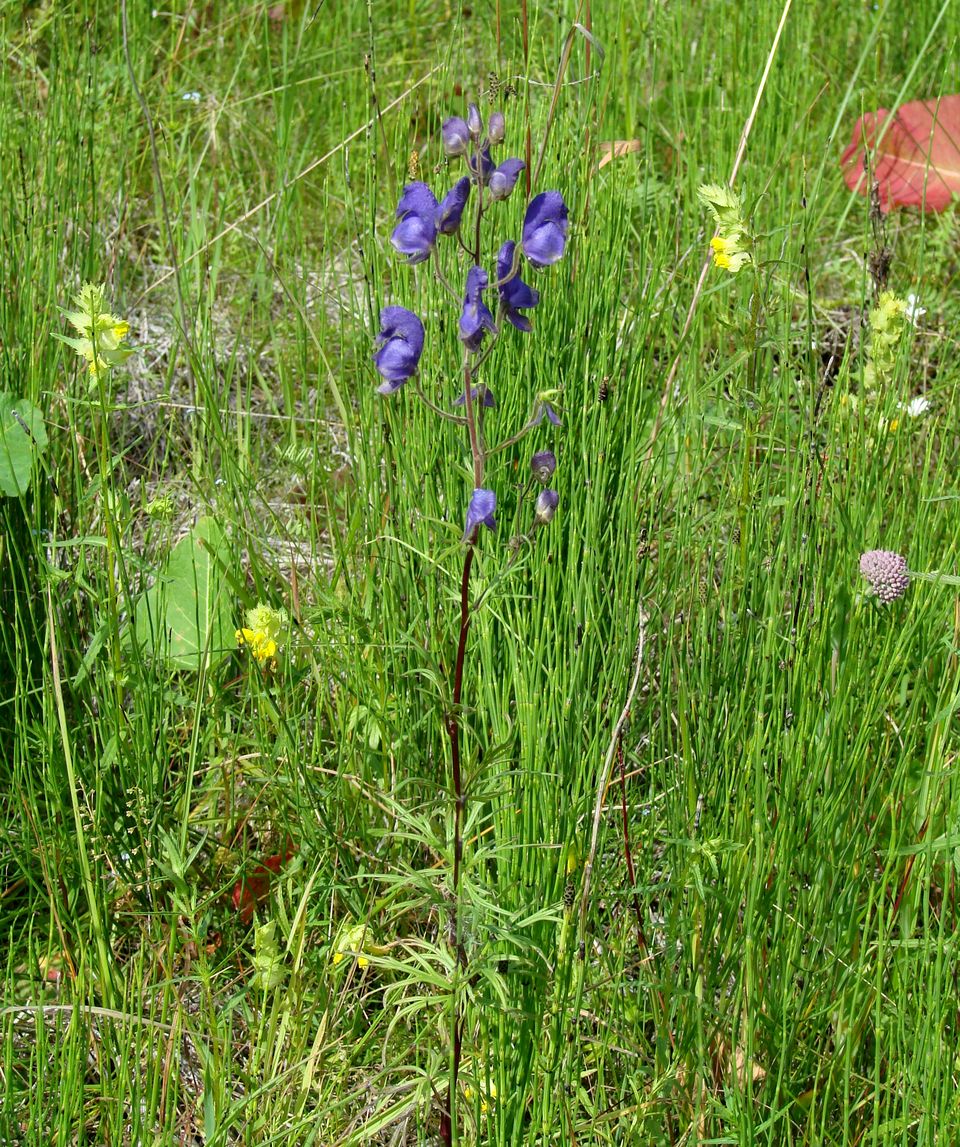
886	572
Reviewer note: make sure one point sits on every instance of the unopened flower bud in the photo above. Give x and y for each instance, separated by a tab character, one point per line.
543	465
886	572
503	179
474	122
456	136
546	506
496	128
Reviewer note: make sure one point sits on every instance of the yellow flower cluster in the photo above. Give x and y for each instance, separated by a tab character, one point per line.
486	1092
355	940
262	631
888	321
731	245
101	333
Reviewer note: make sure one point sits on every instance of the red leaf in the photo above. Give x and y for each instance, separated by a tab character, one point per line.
917	162
252	890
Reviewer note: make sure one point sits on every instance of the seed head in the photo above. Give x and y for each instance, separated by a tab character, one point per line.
886	572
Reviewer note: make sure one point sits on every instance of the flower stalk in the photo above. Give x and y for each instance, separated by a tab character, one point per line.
422	223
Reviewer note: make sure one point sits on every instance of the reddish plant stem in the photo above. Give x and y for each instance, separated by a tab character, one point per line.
453	718
448	1116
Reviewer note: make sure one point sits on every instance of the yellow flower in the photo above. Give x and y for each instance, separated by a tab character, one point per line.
728	253
486	1092
356	941
264	626
101	333
731	245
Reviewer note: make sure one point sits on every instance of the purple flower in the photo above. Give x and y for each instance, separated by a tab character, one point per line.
503	179
400	343
543	464
480	163
474	122
476	317
546	507
545	228
450	211
496	128
456	136
544	408
488	399
480	512
416	233
515	295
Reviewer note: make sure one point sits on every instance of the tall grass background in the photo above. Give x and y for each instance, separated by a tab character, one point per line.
768	946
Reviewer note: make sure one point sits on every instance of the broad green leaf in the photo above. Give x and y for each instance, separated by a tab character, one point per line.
185	616
17	448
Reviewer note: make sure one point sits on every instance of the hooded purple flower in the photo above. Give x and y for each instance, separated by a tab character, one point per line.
474	122
480	512
416	233
496	128
546	507
450	211
456	136
481	162
488	399
515	295
543	464
545	228
400	344
503	179
476	317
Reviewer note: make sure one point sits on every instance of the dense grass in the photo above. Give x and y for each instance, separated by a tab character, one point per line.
767	949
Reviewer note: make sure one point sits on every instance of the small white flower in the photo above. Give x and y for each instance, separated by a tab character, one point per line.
191	97
917	406
913	312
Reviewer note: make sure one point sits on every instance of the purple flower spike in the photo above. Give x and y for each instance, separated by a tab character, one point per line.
515	295
476	317
488	399
400	344
543	464
416	233
496	128
545	228
503	179
481	166
450	211
546	506
456	136
483	504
